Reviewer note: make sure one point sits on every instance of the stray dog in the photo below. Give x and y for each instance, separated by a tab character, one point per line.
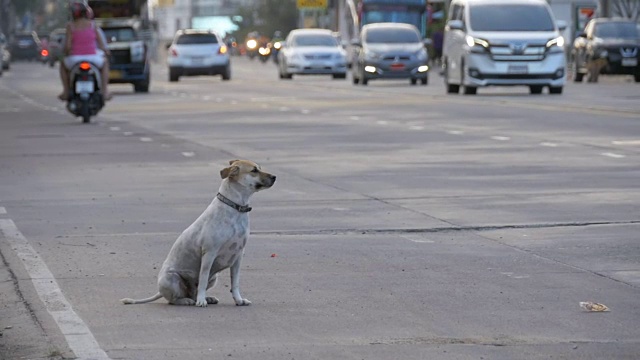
214	242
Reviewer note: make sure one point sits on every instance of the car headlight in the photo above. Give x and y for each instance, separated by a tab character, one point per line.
556	44
476	44
371	56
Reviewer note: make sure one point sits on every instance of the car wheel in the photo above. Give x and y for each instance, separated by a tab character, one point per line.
535	89
556	90
340	76
424	80
142	87
173	75
577	75
363	80
226	74
451	88
636	77
414	81
470	90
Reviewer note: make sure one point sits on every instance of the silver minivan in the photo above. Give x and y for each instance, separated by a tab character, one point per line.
503	43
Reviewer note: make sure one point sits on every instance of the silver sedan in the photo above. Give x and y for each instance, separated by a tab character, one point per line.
312	52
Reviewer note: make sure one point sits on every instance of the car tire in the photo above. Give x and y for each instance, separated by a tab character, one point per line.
354	79
535	89
363	80
173	75
414	81
141	87
577	75
226	74
424	80
451	88
555	90
340	76
470	90
636	77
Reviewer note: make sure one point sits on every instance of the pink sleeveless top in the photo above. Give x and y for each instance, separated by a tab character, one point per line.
83	41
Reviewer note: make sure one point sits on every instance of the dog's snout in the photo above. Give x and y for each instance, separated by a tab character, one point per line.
273	178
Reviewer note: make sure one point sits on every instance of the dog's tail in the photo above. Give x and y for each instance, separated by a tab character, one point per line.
141	301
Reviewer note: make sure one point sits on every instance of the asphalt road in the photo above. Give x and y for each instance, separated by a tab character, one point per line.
405	223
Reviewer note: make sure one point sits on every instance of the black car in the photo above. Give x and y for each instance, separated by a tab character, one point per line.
607	46
26	46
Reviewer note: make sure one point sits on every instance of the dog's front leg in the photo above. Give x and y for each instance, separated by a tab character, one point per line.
235	283
203	280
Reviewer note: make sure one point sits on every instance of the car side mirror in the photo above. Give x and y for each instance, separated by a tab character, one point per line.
562	25
455	25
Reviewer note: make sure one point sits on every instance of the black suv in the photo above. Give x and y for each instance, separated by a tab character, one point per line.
26	46
607	46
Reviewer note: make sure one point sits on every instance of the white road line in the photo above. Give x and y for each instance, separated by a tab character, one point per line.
382	122
2	210
417	239
188	154
305	111
146	139
114	128
613	155
455	132
501	138
127	133
548	144
626	142
354	118
78	336
416	127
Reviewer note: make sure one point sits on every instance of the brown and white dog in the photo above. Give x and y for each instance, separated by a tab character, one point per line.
214	242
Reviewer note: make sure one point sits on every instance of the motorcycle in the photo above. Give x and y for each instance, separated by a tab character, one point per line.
265	52
275	50
85	95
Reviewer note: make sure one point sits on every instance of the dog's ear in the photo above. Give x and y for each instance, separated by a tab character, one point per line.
231	171
232	161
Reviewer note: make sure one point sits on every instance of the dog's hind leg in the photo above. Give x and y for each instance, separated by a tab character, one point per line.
173	288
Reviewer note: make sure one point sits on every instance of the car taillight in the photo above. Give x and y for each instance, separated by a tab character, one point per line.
44	52
85	66
222	50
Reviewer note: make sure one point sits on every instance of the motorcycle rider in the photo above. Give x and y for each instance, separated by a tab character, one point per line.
83	43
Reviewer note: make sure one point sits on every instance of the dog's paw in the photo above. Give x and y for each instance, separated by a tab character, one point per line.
202	303
243	302
212	300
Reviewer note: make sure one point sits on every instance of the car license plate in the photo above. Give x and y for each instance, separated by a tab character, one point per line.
397	67
629	62
197	59
115	74
518	69
84	87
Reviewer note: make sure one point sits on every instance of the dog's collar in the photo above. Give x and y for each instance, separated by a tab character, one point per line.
240	208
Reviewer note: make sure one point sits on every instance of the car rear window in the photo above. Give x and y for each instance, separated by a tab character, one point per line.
193	39
391	36
119	34
617	30
314	40
522	17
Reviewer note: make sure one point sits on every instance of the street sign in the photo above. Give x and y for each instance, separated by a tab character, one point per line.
311	4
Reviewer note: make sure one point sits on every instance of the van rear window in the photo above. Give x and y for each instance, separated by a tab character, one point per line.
197	39
521	17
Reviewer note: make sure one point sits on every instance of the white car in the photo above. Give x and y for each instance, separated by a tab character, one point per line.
312	52
198	52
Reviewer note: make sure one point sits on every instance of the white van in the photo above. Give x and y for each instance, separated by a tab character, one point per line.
504	43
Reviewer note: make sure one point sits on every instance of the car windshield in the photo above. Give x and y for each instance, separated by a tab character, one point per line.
119	34
314	40
618	30
197	39
510	18
391	36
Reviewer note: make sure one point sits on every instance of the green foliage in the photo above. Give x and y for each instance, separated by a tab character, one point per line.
267	16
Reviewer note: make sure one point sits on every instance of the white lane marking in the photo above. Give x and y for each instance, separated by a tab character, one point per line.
305	111
284	108
354	118
416	127
417	239
548	144
234	102
146	139
127	133
626	142
613	155
501	138
455	132
382	122
206	98
80	339
188	154
2	210
114	128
